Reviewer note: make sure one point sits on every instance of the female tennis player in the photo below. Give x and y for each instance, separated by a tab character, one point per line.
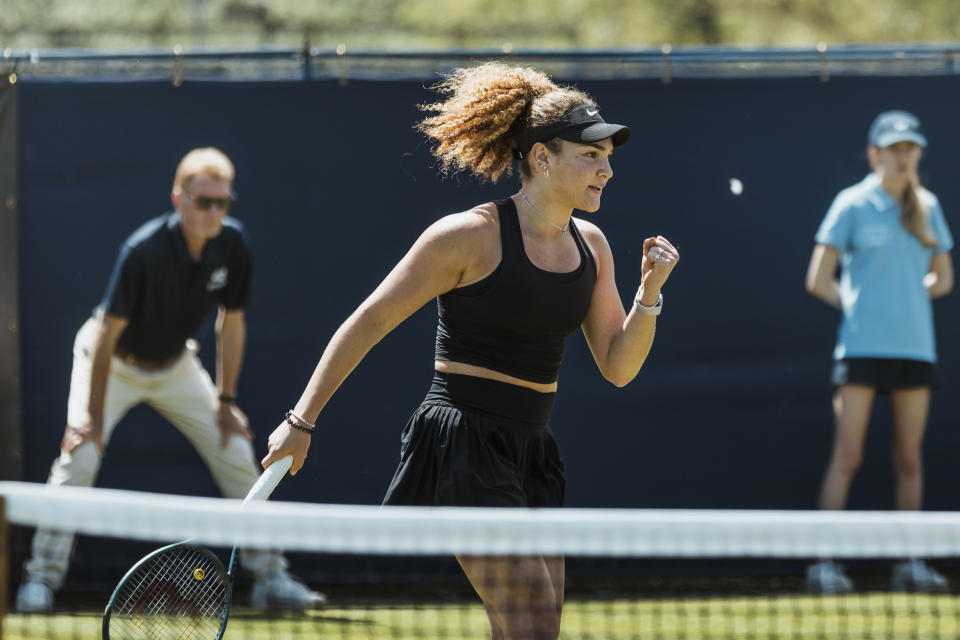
892	243
514	278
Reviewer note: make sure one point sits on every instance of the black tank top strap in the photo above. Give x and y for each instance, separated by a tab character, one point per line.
511	238
586	256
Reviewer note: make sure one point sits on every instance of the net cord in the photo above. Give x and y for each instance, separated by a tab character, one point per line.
4	560
432	531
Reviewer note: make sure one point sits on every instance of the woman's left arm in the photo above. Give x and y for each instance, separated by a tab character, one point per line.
620	340
939	280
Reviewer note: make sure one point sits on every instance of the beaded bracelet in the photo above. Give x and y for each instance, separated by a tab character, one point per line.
295	421
299	419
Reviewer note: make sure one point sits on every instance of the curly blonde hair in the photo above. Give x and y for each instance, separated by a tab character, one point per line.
488	106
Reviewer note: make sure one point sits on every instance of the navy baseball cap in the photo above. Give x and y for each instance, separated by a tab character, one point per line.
891	127
582	124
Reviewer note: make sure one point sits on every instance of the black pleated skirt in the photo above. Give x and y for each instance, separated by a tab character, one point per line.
479	443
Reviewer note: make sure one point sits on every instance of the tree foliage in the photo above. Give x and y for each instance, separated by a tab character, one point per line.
422	24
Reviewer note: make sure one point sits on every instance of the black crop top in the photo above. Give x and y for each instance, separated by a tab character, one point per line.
517	319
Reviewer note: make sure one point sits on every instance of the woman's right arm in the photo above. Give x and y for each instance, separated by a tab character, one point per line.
821	279
435	264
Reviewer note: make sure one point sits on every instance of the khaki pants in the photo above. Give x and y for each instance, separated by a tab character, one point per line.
185	395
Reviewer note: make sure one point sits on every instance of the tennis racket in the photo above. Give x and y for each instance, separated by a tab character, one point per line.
181	590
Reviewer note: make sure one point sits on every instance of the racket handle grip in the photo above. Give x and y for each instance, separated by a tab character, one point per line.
269	479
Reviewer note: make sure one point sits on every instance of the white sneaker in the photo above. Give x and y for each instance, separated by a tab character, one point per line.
916	575
280	590
827	576
34	596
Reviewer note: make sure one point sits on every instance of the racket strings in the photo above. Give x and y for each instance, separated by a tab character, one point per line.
180	593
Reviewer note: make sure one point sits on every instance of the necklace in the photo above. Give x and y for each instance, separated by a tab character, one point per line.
562	229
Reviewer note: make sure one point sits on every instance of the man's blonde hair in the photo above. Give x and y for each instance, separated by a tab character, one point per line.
203	160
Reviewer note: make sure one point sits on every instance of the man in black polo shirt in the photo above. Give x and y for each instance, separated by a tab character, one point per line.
170	274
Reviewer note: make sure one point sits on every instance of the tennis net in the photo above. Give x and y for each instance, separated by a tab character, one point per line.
389	572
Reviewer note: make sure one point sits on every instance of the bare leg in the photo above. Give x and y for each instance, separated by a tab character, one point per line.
555	566
851	409
520	594
910	410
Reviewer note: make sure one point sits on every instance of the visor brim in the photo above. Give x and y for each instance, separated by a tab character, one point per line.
596	132
890	139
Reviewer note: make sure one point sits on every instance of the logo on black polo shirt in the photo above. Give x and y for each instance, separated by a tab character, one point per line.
218	279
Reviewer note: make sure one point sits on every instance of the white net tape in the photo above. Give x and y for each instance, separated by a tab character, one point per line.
431	531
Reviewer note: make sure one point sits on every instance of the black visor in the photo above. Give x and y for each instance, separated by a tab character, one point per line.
583	124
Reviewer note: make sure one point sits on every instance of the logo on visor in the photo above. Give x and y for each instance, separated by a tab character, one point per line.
218	279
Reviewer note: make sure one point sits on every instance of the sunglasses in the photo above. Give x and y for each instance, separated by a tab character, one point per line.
205	202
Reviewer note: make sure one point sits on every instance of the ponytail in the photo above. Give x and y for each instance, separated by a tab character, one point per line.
488	106
915	217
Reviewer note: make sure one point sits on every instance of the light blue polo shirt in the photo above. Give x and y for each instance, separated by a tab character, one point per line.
886	309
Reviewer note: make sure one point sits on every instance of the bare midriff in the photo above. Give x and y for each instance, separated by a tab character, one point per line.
459	368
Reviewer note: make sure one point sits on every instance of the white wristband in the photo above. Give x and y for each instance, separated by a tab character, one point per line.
650	311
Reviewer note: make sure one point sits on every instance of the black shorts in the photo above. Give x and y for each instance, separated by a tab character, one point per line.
479	443
885	374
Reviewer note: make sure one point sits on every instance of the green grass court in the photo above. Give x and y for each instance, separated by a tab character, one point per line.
859	616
